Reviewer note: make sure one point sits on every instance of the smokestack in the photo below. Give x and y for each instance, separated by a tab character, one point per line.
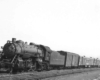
13	40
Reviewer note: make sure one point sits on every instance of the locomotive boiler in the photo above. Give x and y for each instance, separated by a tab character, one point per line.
18	55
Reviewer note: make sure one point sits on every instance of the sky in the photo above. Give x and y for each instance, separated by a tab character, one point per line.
69	25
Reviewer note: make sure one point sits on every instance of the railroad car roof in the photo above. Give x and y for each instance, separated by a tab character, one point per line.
68	52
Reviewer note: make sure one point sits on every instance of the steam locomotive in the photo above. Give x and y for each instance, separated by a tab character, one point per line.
18	56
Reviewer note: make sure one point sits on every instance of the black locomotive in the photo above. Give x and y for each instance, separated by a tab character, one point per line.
19	56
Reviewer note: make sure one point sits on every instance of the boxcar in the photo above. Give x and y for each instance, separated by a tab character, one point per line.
97	63
88	62
91	62
75	60
71	59
82	61
68	58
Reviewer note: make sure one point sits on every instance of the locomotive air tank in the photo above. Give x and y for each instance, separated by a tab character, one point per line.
11	48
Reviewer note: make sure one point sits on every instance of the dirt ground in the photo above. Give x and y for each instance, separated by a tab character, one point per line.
94	75
53	75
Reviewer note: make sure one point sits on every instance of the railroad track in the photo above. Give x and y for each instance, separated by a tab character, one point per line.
42	75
